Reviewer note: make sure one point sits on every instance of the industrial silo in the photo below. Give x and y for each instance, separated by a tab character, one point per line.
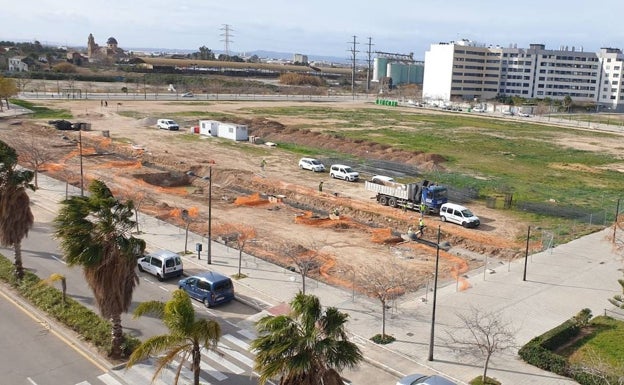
395	71
415	72
379	68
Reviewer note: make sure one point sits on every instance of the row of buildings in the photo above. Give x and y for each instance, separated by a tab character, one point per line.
468	71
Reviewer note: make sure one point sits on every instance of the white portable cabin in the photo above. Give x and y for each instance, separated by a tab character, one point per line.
236	132
231	131
209	127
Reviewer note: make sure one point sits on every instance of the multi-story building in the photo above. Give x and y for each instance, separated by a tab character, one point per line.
466	70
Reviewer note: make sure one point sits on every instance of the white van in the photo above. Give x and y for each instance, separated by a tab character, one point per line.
167	124
340	171
162	264
459	214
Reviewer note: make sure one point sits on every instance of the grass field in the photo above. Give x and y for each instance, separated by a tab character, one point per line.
529	160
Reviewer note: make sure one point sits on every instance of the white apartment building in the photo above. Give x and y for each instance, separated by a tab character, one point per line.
466	70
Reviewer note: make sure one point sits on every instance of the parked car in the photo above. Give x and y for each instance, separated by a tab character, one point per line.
209	287
382	179
162	264
167	124
340	171
311	164
524	114
187	95
451	212
421	379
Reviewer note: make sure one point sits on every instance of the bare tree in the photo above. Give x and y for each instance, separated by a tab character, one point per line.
33	153
240	234
304	258
386	281
488	333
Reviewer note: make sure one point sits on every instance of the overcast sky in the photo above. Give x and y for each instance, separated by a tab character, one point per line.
315	27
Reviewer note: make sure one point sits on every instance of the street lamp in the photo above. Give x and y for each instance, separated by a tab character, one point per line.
209	251
435	293
80	150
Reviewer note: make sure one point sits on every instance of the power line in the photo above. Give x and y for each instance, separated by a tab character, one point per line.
369	61
354	52
227	37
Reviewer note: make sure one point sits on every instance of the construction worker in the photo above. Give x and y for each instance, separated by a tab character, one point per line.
423	208
421	226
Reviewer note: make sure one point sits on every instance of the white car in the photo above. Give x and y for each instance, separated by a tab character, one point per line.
311	164
340	171
168	124
451	212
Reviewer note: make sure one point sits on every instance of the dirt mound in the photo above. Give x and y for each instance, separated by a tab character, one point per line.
276	132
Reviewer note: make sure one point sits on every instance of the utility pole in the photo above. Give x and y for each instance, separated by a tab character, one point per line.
354	52
369	61
227	38
435	295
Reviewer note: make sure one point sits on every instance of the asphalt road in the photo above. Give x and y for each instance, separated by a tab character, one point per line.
34	354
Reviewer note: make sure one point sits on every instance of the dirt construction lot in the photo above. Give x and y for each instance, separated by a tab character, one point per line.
279	207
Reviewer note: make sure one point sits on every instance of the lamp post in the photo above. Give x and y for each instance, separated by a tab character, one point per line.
80	151
209	250
435	293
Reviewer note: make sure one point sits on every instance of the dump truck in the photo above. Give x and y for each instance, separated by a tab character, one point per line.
410	196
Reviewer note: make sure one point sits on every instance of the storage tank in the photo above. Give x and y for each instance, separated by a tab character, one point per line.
395	71
379	68
415	73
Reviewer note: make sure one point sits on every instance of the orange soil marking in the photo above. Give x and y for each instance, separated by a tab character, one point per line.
250	200
120	164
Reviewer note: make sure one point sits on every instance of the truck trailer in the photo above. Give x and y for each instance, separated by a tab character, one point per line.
410	196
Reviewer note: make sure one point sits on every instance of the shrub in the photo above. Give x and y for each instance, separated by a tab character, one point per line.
382	340
488	381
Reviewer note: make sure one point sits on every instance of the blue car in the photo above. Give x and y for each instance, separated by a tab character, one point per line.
209	287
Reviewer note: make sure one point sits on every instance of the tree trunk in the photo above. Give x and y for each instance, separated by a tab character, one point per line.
196	363
303	277
383	319
117	337
19	268
485	367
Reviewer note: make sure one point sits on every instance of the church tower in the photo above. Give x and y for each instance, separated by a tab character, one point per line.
91	46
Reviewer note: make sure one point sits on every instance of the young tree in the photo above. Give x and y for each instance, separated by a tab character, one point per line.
305	259
33	153
8	88
187	335
95	233
16	218
488	333
54	277
239	233
309	346
386	281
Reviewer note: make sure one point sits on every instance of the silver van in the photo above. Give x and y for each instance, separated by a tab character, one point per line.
340	171
451	212
162	264
167	124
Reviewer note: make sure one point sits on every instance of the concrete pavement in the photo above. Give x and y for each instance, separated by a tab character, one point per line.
560	282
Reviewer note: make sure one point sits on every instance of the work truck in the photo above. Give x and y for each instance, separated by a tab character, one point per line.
410	196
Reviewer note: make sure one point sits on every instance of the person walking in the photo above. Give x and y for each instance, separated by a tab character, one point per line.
423	208
421	227
321	186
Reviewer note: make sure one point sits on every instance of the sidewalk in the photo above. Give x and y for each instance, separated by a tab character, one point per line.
560	282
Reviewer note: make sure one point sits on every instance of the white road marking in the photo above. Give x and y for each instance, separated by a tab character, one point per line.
246	333
223	362
236	341
59	259
214	372
108	379
31	381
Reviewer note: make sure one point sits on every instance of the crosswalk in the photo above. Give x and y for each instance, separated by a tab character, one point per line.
231	361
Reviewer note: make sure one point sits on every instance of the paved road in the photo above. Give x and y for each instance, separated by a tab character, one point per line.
33	353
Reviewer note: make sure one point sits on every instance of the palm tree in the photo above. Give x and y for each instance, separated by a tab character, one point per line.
16	218
309	346
186	338
95	233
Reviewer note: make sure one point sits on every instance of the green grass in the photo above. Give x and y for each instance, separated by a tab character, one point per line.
605	342
484	153
43	112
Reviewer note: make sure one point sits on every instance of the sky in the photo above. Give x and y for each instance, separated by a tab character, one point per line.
315	27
